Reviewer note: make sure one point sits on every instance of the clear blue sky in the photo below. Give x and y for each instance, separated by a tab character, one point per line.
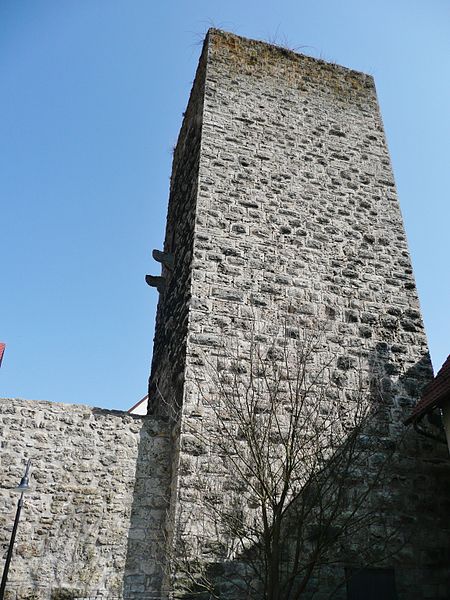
92	93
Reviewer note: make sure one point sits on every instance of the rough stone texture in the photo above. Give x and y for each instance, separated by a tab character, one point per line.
284	209
169	348
283	218
92	526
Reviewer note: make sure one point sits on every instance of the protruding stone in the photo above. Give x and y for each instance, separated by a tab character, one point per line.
165	258
156	281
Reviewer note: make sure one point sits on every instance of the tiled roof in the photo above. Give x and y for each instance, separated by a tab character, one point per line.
434	394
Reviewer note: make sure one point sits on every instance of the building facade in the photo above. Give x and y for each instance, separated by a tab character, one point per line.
284	252
283	219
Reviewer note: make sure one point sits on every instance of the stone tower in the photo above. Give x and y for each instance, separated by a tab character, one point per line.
283	214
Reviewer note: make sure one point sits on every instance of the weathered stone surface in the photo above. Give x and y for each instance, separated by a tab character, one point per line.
284	206
93	524
283	219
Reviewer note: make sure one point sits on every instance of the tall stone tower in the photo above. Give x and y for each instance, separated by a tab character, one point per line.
283	215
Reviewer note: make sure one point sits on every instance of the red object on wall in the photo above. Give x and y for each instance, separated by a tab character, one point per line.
2	351
434	395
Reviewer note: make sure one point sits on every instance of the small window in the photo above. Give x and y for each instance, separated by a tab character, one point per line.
371	584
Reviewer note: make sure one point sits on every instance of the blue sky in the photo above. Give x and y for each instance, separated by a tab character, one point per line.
92	97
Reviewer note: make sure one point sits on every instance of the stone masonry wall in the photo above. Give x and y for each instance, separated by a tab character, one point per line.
93	525
169	347
282	217
297	222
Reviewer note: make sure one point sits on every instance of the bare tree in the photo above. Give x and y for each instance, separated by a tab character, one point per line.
299	455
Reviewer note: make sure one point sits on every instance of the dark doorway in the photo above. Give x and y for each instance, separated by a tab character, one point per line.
371	584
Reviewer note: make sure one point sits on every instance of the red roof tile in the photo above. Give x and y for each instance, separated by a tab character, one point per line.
434	394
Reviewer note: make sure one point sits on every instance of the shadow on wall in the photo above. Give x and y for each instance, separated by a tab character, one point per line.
372	503
145	549
72	539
